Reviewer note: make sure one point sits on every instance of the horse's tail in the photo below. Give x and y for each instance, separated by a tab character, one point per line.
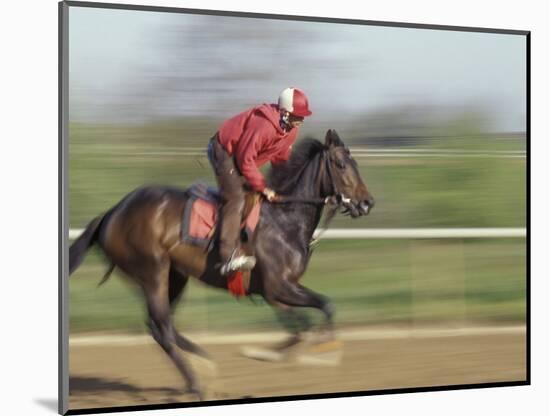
107	274
78	249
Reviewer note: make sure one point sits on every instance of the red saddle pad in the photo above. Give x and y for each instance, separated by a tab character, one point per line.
200	217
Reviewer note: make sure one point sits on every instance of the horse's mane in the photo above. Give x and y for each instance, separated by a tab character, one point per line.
284	177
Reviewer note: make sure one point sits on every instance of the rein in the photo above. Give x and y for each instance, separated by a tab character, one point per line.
315	201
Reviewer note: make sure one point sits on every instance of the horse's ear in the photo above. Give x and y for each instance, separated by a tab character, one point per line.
332	139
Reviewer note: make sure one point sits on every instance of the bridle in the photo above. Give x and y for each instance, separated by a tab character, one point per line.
335	197
339	196
334	201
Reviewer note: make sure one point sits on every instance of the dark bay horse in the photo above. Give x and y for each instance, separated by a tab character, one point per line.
141	236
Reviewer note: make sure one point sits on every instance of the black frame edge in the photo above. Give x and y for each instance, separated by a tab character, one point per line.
63	305
528	207
320	19
295	398
63	334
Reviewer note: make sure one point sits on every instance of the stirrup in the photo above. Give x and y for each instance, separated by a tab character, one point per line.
238	263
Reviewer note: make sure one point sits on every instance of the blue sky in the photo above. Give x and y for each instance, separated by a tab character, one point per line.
119	60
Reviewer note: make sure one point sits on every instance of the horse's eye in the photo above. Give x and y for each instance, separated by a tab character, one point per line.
340	164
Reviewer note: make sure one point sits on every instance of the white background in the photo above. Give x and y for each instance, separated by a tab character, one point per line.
28	218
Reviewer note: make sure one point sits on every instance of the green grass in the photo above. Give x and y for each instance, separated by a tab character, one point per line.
370	282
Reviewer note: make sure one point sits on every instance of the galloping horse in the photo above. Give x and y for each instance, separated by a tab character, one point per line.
141	236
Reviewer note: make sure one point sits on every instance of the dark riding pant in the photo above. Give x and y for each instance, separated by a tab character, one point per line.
232	190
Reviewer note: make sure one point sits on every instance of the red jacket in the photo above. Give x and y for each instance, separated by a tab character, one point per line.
255	137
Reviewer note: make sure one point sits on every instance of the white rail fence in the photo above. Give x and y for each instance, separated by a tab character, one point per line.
402	233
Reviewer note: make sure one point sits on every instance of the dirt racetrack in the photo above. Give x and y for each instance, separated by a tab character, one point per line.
105	374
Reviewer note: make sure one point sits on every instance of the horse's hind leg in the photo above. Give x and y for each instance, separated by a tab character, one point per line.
157	295
178	282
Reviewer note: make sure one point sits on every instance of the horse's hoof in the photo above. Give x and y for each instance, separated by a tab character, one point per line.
327	346
322	354
206	364
198	393
263	354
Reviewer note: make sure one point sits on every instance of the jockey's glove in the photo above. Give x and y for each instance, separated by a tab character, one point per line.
270	194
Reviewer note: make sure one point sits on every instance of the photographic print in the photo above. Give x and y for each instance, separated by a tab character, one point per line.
265	207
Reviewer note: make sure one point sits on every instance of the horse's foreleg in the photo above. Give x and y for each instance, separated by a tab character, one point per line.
324	348
162	329
294	321
293	294
285	297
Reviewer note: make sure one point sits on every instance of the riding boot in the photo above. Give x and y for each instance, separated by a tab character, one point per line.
236	263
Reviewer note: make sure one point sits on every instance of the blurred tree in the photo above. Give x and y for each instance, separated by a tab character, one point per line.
215	66
409	125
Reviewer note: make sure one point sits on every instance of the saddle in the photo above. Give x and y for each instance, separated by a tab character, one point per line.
199	226
200	216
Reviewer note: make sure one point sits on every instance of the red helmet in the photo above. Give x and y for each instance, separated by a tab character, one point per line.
295	102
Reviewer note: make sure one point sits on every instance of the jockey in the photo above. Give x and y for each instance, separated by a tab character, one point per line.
244	143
